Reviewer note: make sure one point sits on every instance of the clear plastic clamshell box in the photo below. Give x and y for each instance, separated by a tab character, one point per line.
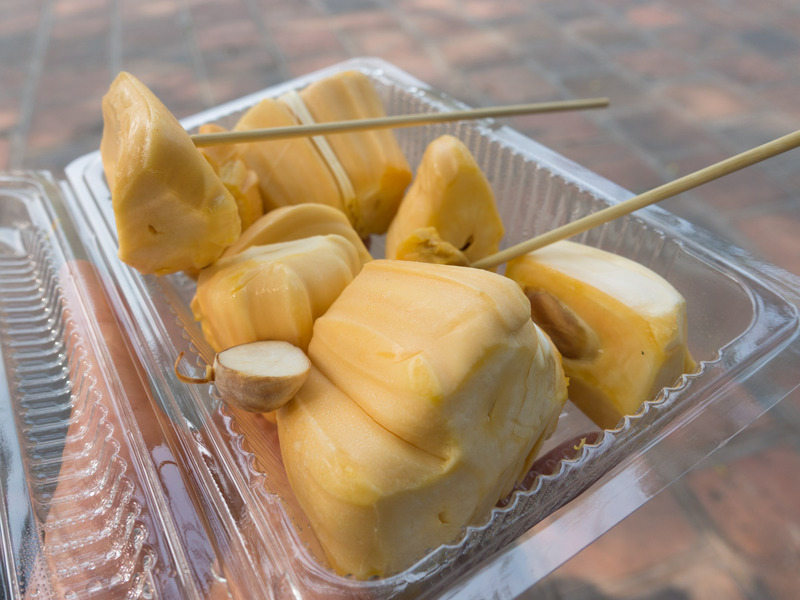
119	481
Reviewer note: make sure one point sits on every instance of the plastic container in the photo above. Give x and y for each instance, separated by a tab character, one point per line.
119	481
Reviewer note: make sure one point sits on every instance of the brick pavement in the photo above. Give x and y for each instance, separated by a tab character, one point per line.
690	83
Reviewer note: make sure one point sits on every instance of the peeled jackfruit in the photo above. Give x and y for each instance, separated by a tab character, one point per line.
425	245
372	159
363	174
431	393
290	171
451	194
241	181
273	292
172	211
620	327
295	222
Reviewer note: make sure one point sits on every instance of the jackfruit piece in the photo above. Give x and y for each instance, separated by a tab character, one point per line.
620	327
273	292
431	394
451	194
218	154
375	165
296	222
241	181
172	211
290	171
425	245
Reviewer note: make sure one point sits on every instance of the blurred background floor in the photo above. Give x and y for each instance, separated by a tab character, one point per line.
690	83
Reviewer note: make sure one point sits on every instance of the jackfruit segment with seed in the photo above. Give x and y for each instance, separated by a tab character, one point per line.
450	194
621	327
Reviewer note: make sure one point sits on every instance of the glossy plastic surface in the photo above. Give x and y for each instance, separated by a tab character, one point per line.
210	511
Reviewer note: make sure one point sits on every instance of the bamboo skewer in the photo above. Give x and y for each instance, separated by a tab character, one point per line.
273	133
668	190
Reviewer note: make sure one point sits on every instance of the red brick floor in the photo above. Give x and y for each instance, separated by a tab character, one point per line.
689	82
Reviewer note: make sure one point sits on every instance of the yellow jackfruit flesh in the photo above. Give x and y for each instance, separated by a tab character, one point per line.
451	194
290	171
273	292
425	245
374	164
296	222
172	211
621	328
217	154
431	394
241	181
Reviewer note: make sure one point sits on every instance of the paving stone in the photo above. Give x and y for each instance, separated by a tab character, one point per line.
716	15
743	189
177	87
700	580
775	235
78	8
435	24
377	42
698	43
615	161
13	80
609	37
563	59
226	81
55	158
348	6
9	114
417	61
760	128
19	19
783	97
76	28
72	85
16	47
48	130
529	31
308	64
279	11
652	535
621	92
665	134
566	12
708	101
475	49
4	152
305	38
559	131
748	69
359	22
434	6
225	37
512	84
653	16
753	503
205	12
789	411
654	63
490	11
772	42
